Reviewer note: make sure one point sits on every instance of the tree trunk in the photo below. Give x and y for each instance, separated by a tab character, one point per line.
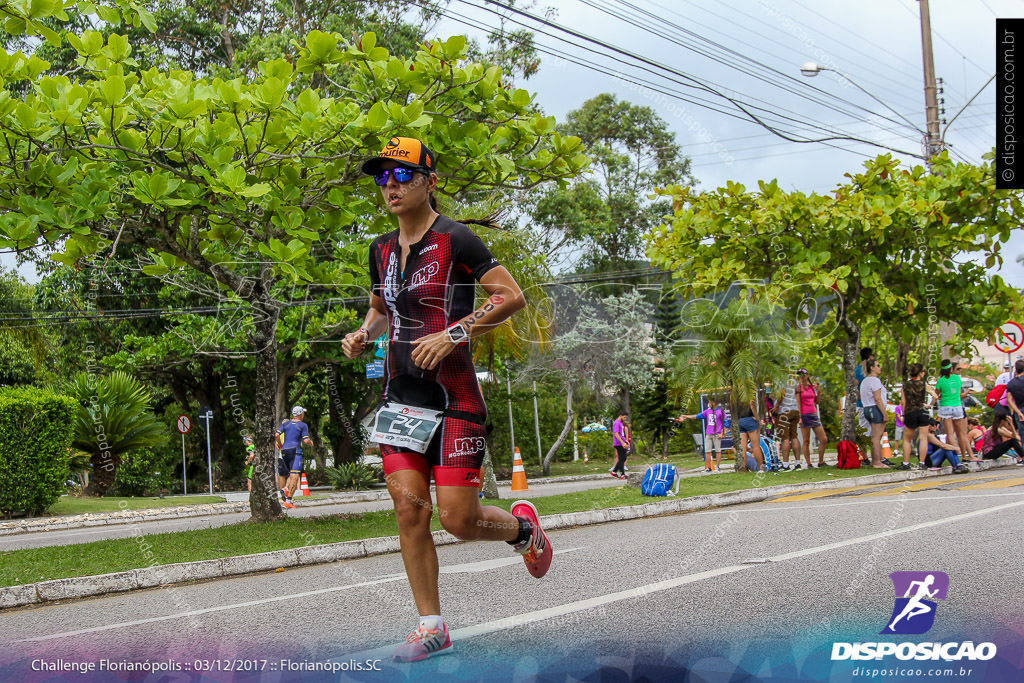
665	436
902	360
850	347
565	430
263	502
624	401
489	485
104	469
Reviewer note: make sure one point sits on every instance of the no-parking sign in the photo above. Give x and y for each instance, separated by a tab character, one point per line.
1009	337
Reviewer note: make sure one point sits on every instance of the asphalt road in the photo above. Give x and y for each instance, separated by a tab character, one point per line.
765	588
87	535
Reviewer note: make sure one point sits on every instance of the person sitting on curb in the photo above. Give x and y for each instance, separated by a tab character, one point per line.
939	450
1001	440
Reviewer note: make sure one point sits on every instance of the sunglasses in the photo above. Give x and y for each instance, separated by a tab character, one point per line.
400	173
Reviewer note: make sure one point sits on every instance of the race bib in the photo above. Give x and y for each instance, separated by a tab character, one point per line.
405	427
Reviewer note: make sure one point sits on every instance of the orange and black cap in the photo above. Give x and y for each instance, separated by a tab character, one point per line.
408	152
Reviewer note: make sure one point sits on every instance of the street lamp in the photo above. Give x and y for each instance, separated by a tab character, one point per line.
812	69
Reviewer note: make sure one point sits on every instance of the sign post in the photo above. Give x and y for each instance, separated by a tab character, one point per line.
184	424
206	416
1009	338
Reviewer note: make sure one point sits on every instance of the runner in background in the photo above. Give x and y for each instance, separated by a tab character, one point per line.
290	437
423	278
250	453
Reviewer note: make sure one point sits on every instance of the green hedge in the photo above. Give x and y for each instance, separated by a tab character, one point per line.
36	427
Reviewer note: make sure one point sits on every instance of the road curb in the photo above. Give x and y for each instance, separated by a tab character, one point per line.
165	575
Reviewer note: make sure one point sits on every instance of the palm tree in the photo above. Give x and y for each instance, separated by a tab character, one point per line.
738	349
113	419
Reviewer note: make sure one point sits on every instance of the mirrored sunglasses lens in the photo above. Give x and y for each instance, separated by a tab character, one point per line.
402	175
381	178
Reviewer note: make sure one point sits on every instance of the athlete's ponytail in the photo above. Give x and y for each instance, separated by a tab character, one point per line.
490	221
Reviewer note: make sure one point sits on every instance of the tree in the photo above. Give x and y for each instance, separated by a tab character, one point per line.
609	345
253	186
606	212
884	249
113	419
739	350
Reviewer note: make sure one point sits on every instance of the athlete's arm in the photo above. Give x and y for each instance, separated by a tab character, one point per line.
374	324
504	299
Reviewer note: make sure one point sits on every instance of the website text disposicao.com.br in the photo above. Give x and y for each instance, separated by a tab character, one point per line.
946	673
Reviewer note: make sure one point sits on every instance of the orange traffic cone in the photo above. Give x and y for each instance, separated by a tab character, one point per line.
886	449
586	458
303	485
518	474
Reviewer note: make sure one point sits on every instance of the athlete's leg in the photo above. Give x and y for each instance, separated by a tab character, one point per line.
410	491
462	516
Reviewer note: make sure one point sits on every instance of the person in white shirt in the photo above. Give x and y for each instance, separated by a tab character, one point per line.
1006	376
873	396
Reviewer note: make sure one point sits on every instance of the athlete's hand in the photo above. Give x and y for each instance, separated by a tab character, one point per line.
354	343
430	350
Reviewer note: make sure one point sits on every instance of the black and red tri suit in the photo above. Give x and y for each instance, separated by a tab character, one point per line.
437	288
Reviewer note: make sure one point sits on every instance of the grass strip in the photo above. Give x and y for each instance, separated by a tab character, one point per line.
77	505
101	557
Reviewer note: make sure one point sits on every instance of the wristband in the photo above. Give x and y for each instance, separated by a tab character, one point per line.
366	332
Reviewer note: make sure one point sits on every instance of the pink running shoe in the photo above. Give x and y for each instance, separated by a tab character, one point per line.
423	643
537	551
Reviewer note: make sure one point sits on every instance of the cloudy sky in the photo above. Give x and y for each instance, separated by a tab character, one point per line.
751	50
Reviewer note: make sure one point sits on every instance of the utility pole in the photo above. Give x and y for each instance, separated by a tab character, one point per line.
933	141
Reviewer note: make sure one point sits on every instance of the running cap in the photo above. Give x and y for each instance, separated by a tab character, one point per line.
408	152
298	410
801	371
1006	365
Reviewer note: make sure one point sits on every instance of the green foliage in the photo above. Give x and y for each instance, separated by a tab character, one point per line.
36	429
353	476
15	362
146	472
607	212
113	418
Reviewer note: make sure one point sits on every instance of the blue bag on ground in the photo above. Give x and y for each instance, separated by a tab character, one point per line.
658	480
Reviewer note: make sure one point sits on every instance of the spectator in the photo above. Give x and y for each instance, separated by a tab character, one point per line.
1006	376
750	431
873	397
860	372
714	426
621	441
290	437
1015	397
913	399
951	408
788	411
1001	439
810	418
938	451
975	431
898	416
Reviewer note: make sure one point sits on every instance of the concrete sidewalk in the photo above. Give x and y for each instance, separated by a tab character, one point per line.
163	575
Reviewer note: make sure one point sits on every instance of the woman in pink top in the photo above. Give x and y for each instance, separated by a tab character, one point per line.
807	395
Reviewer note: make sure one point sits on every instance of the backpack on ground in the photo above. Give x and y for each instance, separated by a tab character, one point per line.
849	455
658	480
995	396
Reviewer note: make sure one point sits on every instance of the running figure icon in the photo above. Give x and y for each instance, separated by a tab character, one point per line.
915	606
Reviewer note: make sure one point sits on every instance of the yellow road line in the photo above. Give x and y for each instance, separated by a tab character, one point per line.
997	484
823	493
923	486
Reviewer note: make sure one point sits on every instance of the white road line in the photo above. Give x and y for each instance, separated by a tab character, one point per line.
484	565
782	507
641	591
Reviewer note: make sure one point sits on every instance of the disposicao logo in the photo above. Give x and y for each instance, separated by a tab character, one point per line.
913	614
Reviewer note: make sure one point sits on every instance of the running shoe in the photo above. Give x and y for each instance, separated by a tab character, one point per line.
423	643
536	551
889	462
287	503
961	469
904	466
